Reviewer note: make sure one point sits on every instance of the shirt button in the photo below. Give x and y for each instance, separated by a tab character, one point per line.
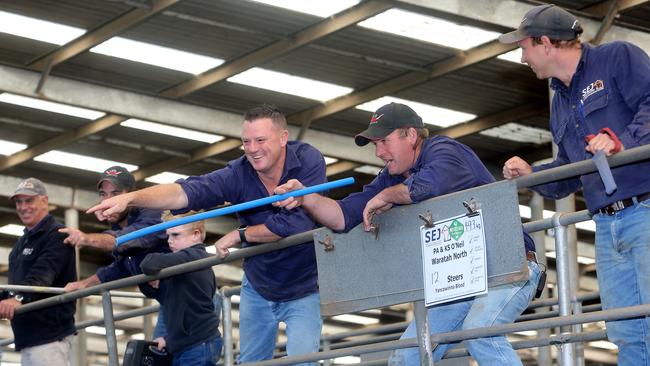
577	125
573	106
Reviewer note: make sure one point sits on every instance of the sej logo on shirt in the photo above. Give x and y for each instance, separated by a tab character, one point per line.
28	251
592	88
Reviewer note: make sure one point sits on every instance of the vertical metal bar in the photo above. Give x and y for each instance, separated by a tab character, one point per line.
564	287
109	325
326	347
423	334
544	357
147	321
79	343
228	349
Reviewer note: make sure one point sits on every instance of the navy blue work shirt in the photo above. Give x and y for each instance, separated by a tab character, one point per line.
443	166
281	275
610	88
128	264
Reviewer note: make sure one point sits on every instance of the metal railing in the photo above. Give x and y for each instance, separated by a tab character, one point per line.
565	298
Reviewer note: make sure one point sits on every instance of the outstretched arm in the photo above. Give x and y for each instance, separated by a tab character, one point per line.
324	210
162	197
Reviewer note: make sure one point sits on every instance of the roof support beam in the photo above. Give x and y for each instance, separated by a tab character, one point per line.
101	34
60	140
324	28
199	154
407	80
607	22
163	110
493	120
602	8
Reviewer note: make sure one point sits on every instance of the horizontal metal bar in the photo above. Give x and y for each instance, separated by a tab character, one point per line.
59	290
582	167
588	296
171	271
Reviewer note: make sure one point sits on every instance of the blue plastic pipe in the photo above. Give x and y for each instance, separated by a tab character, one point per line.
232	209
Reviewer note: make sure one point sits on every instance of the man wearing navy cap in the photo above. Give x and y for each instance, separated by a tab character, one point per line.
418	168
39	258
601	102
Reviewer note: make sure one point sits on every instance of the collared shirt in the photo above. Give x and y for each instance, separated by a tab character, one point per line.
129	264
281	275
443	166
40	258
610	88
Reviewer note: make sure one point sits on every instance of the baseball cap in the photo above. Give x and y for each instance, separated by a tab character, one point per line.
119	176
386	120
545	20
30	187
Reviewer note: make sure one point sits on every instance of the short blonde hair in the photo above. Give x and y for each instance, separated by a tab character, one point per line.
196	225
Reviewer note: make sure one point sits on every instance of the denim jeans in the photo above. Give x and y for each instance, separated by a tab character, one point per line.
622	254
203	354
502	305
259	319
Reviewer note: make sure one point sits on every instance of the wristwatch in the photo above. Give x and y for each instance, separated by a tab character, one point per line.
17	297
242	233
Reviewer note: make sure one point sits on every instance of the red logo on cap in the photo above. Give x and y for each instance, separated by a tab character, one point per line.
113	172
375	118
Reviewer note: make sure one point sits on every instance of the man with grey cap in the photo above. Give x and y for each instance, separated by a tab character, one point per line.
418	168
601	103
114	181
39	258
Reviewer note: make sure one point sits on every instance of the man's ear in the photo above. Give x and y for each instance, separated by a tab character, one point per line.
284	138
548	45
413	136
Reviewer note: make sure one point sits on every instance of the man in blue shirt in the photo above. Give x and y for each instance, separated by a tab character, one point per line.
277	286
418	168
115	181
601	102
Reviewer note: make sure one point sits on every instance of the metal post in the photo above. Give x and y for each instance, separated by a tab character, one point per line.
228	349
326	347
80	341
567	204
147	321
423	335
564	287
109	325
544	357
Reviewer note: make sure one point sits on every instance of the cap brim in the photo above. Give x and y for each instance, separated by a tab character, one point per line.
513	37
24	192
372	134
113	181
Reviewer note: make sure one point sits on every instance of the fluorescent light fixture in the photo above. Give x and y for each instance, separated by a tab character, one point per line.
80	161
347	360
524	211
317	8
368	169
102	331
604	345
431	115
12	229
289	84
429	29
50	106
40	30
527	333
512	56
139	336
519	133
8	147
165	177
329	160
171	130
156	55
356	319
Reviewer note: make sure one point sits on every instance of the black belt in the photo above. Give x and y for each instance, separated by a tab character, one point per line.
623	204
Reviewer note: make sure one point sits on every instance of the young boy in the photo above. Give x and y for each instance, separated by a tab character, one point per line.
193	337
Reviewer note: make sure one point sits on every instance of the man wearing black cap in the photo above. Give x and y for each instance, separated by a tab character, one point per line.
418	168
115	181
39	258
601	103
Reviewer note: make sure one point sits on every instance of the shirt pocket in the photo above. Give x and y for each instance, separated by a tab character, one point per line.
595	102
560	130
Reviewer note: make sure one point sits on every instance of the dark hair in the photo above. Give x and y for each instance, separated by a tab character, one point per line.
266	111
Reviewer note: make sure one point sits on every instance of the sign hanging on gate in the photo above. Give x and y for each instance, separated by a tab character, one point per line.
454	259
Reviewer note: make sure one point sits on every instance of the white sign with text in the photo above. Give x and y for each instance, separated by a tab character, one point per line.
453	258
